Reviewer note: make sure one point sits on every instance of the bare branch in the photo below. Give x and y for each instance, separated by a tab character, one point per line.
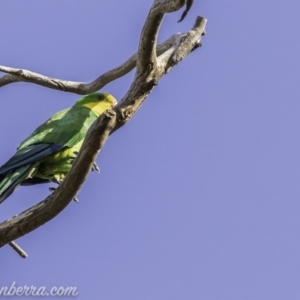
150	69
18	249
179	51
148	78
146	52
81	88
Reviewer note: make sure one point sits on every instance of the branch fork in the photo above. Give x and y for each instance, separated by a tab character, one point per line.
151	61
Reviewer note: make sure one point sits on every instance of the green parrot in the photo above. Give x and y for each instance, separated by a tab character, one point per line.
47	154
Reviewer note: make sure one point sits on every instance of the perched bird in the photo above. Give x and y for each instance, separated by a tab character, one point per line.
47	154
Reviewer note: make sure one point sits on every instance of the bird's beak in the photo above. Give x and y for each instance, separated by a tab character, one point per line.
114	102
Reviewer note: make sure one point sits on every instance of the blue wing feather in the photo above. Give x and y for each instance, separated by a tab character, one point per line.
29	155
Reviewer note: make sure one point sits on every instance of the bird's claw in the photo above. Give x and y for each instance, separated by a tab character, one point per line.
95	167
58	181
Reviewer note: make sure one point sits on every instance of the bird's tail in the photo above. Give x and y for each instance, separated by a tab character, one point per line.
11	180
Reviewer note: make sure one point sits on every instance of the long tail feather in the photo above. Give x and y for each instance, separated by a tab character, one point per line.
11	181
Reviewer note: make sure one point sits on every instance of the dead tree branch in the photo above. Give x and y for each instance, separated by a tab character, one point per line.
151	63
81	88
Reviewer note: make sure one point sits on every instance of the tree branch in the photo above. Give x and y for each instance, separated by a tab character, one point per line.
81	88
151	66
18	249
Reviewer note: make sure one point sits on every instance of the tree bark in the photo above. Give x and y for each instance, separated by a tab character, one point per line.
152	62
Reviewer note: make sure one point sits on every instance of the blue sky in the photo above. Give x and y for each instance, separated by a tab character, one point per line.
198	196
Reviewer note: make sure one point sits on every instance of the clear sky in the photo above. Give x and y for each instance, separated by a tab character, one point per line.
198	196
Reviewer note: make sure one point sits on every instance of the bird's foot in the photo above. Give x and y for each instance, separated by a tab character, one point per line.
95	167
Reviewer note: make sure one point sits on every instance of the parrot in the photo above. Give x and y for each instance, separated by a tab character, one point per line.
48	153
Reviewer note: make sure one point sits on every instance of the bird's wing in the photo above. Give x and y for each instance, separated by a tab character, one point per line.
64	129
11	181
28	155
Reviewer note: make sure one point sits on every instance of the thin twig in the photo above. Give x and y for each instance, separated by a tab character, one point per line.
18	249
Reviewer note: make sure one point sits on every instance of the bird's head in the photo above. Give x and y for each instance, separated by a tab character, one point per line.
97	100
